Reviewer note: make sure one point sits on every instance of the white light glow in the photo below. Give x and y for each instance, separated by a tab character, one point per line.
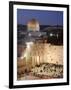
29	34
51	34
26	53
29	44
21	57
57	35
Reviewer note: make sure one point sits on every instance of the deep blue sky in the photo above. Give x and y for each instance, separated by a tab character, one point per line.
44	17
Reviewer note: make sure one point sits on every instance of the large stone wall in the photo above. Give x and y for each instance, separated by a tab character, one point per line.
43	53
47	53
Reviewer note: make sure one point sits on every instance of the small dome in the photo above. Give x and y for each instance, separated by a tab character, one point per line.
33	25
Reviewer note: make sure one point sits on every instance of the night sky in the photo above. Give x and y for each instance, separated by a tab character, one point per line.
44	17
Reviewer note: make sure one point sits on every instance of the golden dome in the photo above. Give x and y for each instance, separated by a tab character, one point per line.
33	25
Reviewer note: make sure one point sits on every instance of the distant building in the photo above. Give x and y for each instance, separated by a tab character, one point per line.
33	25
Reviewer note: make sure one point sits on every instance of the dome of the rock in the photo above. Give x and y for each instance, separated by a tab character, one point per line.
33	25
